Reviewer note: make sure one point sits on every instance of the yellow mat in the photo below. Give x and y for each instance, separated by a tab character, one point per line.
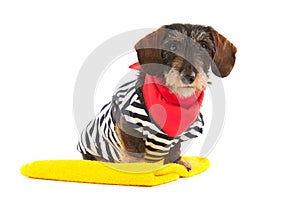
138	174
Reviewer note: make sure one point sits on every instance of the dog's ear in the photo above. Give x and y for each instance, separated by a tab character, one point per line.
149	52
224	57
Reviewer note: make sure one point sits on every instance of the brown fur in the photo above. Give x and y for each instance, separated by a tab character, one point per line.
133	146
225	55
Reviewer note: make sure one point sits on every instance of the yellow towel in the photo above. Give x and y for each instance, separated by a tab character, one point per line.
138	174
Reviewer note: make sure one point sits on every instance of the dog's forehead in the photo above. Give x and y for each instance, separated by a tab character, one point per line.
176	34
181	34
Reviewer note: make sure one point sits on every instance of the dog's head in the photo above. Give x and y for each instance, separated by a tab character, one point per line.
182	54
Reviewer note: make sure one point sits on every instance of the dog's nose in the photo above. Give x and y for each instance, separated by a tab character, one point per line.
187	78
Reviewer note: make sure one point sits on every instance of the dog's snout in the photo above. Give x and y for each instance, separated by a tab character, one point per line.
187	77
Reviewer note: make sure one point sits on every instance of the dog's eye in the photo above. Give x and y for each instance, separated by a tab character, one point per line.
204	45
173	47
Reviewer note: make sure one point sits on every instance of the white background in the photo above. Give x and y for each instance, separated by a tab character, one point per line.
43	45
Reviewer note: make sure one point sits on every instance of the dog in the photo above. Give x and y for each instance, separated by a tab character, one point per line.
148	118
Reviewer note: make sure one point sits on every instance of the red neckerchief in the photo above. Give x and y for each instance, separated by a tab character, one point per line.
170	112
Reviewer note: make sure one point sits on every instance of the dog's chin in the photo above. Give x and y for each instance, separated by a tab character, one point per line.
184	91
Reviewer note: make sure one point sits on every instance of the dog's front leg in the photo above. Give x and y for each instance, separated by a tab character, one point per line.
174	157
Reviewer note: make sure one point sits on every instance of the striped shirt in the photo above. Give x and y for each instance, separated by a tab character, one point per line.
100	139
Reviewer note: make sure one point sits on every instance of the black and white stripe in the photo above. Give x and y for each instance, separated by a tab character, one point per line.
100	139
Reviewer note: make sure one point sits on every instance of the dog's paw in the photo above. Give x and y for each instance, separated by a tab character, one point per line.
184	163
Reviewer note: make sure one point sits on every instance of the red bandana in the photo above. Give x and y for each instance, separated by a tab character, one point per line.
170	112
